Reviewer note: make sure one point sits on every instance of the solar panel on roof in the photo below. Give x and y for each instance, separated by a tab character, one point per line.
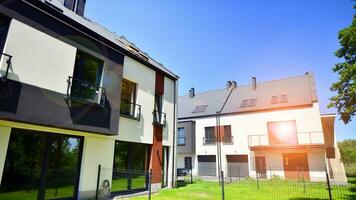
284	98
274	100
199	109
244	103
252	103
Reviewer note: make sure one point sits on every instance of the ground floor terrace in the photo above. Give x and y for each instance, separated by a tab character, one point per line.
266	163
38	162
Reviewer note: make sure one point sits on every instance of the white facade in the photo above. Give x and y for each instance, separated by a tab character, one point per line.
250	129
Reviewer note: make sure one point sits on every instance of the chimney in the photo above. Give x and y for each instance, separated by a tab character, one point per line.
228	84
254	85
191	92
77	6
234	84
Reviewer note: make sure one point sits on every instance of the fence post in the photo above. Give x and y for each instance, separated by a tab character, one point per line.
303	180
191	175
97	183
230	174
222	186
239	173
328	183
258	183
149	184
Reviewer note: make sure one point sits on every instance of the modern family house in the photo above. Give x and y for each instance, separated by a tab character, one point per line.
73	97
272	128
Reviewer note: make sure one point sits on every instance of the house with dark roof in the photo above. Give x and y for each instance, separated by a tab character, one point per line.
83	111
263	129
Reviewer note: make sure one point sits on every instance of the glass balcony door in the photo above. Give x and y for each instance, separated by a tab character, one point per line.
41	165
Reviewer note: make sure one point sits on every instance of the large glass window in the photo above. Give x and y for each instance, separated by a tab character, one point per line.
128	97
86	77
282	133
4	25
181	137
130	164
41	166
165	159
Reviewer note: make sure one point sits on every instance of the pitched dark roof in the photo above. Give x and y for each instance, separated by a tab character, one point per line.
287	93
120	41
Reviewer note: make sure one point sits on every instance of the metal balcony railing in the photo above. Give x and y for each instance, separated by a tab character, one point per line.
8	64
181	141
228	140
85	92
130	110
159	118
303	138
209	140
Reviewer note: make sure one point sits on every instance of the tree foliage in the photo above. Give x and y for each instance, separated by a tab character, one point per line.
348	151
345	99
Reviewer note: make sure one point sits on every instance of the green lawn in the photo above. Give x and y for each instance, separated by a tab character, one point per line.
247	189
120	184
66	191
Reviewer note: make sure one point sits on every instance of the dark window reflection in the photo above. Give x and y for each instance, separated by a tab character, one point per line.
40	166
130	161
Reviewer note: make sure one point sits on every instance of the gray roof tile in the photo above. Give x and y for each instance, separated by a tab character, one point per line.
299	91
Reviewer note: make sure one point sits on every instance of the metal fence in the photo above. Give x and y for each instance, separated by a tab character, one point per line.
235	185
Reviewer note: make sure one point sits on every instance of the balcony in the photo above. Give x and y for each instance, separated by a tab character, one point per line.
8	65
85	92
181	141
209	140
159	118
130	110
304	139
228	140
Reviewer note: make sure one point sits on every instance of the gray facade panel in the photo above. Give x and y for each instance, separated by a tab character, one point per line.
189	129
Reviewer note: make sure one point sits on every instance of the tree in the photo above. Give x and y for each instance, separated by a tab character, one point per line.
345	100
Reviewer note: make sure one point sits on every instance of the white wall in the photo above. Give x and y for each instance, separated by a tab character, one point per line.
168	108
129	129
4	141
96	151
38	59
243	125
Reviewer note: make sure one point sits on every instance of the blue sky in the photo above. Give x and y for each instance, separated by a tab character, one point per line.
209	42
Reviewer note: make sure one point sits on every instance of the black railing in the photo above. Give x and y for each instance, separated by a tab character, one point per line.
159	118
228	140
181	141
85	92
8	64
130	110
209	140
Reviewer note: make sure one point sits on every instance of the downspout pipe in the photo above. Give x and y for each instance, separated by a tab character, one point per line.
218	144
174	133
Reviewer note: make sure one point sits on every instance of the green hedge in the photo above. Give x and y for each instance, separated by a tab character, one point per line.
350	169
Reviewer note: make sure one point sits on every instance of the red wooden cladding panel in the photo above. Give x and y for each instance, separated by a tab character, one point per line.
159	86
156	155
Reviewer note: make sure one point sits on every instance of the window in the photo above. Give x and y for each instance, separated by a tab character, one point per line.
228	139
130	166
284	99
244	103
252	103
188	163
209	135
199	109
4	25
181	137
128	99
86	80
275	99
282	133
159	117
42	163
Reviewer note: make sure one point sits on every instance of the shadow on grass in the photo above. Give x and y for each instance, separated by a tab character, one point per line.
182	183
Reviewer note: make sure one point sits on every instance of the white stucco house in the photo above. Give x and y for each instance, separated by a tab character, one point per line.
271	128
82	110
